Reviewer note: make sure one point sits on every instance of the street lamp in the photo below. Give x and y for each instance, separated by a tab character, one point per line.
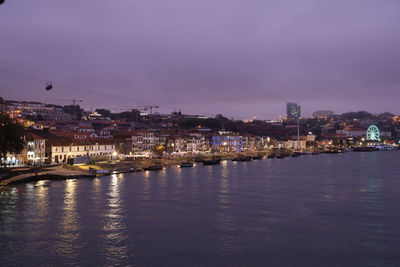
114	155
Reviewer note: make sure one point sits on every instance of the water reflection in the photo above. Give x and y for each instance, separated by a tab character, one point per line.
177	183
146	185
8	212
114	229
371	200
41	194
67	243
225	168
162	184
220	215
97	185
227	244
96	197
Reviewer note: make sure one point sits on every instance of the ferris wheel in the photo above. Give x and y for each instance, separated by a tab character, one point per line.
373	133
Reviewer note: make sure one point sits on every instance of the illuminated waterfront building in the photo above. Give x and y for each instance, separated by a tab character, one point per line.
227	142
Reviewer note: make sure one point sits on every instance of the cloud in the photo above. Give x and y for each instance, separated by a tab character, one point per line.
232	57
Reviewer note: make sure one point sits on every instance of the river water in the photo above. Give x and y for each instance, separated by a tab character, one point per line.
321	210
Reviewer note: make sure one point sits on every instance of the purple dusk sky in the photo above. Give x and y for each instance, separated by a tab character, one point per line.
235	57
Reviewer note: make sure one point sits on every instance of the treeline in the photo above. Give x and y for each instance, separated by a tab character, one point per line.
364	115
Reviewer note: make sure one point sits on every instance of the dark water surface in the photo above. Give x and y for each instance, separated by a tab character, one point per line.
324	210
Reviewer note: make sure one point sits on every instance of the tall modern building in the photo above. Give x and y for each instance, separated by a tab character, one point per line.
293	111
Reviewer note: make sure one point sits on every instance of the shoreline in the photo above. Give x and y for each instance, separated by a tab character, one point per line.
82	171
165	162
65	172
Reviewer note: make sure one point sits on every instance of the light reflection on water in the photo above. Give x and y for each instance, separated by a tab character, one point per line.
296	211
67	245
146	186
373	227
161	176
224	213
114	236
41	195
8	215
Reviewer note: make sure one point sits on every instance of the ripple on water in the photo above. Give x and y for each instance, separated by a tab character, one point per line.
325	210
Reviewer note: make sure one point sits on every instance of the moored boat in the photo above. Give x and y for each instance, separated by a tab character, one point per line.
365	149
296	154
211	161
153	168
100	172
334	151
245	159
280	156
186	164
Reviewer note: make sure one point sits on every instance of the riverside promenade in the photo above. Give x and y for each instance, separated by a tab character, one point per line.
51	173
82	171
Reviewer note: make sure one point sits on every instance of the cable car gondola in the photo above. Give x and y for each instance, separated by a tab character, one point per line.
49	86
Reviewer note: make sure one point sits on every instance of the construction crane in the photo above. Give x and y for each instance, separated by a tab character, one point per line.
151	108
75	101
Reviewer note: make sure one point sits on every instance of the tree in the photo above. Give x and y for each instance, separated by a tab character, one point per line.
133	115
158	151
11	136
357	115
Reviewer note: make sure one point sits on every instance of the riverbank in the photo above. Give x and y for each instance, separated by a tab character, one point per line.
49	173
141	164
83	171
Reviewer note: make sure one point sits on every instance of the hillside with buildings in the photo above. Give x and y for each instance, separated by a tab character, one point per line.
69	134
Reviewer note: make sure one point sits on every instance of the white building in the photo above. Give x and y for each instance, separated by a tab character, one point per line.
146	141
62	149
292	144
35	148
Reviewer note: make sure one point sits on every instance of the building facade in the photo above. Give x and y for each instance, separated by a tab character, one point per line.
227	142
293	111
61	150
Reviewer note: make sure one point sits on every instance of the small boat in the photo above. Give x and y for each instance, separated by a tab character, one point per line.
315	153
242	159
280	156
385	147
95	171
153	168
211	161
186	164
296	154
334	151
365	149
